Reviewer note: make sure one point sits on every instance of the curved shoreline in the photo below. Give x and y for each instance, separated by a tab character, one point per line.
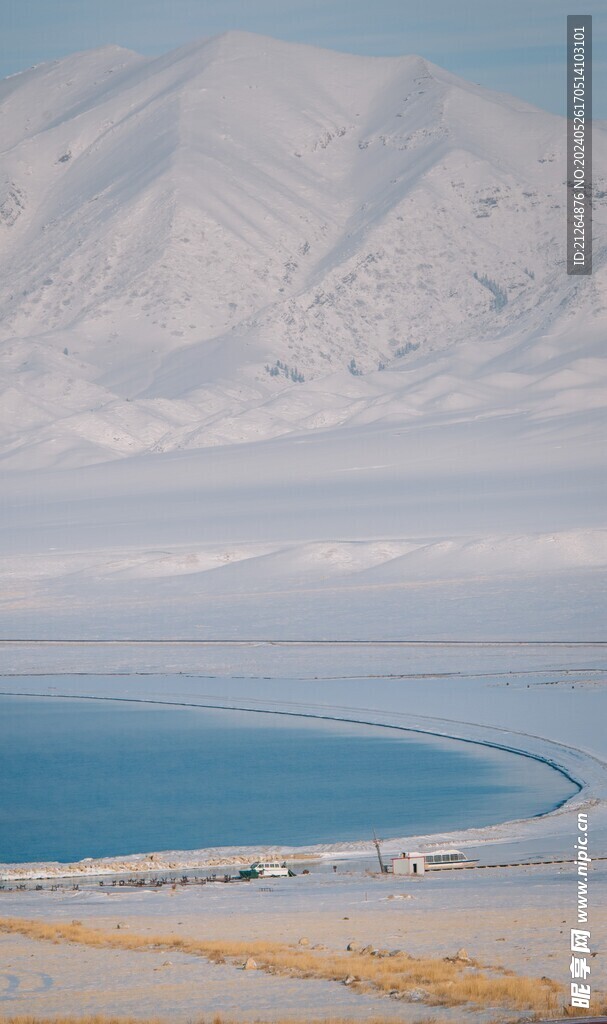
212	857
542	759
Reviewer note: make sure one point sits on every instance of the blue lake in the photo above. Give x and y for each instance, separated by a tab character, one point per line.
99	778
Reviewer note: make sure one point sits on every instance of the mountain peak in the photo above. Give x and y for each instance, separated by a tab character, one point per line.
217	232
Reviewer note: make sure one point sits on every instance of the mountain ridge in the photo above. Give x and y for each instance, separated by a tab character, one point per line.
185	237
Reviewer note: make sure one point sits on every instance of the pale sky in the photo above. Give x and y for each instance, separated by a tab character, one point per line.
515	46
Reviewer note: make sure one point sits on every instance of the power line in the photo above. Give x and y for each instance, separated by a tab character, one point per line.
292	642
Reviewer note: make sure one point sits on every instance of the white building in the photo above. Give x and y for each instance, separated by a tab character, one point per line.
419	863
409	864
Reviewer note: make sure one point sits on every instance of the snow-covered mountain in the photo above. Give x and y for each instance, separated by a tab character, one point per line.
247	237
288	348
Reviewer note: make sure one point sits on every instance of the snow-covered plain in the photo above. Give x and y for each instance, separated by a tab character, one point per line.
174	231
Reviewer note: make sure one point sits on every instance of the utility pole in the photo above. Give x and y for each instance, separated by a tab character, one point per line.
376	843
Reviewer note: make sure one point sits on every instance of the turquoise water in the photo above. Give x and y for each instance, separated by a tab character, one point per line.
97	778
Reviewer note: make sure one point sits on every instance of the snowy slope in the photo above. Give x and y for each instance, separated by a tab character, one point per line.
171	227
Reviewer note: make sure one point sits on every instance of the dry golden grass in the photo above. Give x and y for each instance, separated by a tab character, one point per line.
100	1018
442	982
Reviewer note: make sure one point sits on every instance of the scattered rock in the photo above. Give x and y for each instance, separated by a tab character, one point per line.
76	923
414	995
461	957
167	963
304	941
354	947
350	979
319	945
366	950
249	964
